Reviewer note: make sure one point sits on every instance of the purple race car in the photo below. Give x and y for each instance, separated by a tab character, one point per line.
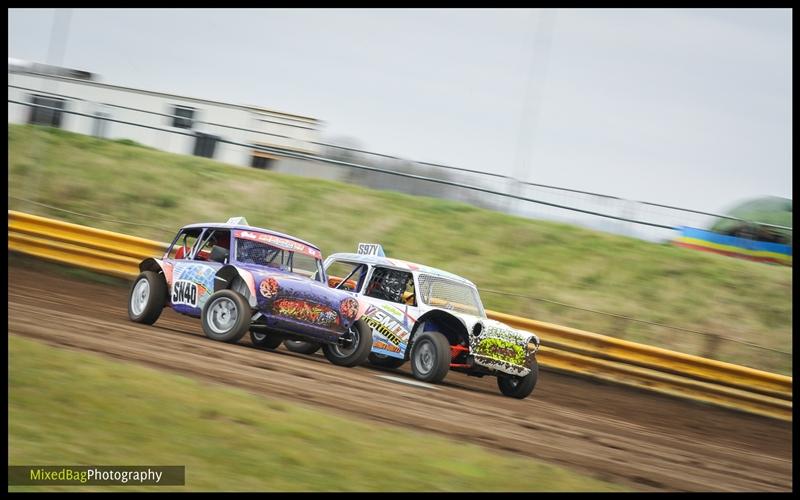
236	278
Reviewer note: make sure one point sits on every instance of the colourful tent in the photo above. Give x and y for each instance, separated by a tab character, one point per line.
767	210
746	238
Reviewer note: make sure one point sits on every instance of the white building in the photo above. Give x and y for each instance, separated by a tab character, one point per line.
197	125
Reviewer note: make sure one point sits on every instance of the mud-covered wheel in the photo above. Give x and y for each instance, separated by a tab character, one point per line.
301	346
147	298
226	316
265	340
519	387
385	361
430	357
354	349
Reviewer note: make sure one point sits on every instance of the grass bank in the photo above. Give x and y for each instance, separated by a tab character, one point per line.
558	262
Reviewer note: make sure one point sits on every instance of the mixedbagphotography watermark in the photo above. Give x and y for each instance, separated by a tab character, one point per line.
93	475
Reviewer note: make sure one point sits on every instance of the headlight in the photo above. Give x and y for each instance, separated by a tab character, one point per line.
477	329
534	343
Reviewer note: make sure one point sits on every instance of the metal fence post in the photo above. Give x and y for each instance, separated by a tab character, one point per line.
712	346
619	327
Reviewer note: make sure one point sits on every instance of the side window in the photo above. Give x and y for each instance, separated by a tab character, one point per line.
260	254
346	275
304	265
183	246
219	238
390	284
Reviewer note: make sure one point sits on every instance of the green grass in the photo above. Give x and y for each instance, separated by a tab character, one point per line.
653	282
69	408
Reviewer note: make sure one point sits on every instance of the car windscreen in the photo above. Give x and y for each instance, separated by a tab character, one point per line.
449	294
263	254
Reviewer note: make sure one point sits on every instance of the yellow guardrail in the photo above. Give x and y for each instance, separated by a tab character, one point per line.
666	383
564	349
687	365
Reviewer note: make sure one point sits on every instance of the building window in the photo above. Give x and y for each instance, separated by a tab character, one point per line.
183	117
205	144
44	116
262	162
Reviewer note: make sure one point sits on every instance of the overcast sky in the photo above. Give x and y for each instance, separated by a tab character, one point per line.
682	107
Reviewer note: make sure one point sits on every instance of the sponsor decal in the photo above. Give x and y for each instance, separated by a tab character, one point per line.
185	292
400	314
269	287
392	310
286	244
302	310
386	325
380	344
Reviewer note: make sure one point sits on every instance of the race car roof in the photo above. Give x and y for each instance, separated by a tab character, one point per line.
220	225
400	264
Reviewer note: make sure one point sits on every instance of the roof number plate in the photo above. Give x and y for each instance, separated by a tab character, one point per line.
370	249
238	220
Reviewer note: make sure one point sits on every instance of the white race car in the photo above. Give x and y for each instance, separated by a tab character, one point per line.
432	318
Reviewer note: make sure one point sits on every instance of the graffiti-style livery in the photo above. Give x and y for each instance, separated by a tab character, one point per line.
238	278
434	319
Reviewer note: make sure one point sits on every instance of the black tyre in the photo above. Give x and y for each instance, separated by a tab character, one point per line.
519	387
430	357
302	347
385	361
356	351
265	340
226	316
147	298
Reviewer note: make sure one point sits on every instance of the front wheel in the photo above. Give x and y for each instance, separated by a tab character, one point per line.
301	346
226	316
353	349
519	387
147	298
430	357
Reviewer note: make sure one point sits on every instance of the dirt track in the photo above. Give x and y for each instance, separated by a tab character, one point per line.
646	441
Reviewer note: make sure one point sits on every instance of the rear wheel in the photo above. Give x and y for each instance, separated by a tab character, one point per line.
519	387
265	340
353	349
430	357
301	346
385	361
147	298
226	316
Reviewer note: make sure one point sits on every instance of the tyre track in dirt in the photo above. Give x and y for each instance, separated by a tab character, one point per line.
644	440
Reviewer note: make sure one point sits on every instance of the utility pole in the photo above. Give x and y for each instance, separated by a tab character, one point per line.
534	89
55	57
58	37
